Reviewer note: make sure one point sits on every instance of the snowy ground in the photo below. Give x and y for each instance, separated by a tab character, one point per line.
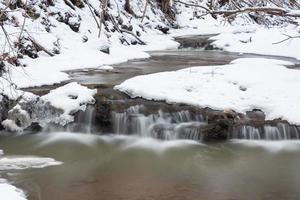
243	85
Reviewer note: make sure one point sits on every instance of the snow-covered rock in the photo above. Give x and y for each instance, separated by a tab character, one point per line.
17	120
57	107
70	98
243	85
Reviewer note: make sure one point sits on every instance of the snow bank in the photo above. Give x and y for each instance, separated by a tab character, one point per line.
243	85
81	48
10	192
261	41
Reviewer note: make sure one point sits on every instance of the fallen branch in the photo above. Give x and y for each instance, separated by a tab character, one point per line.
229	13
38	45
92	12
272	11
288	37
193	5
136	37
68	3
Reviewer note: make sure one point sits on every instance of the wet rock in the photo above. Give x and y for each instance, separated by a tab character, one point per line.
202	42
210	47
216	131
256	114
5	105
103	118
34	128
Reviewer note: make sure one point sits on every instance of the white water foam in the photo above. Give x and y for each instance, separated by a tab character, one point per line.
25	162
271	146
125	141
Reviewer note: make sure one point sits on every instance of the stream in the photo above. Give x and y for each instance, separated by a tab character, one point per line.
133	149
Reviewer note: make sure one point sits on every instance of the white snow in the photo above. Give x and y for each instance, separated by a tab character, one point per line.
70	98
268	41
11	125
242	85
10	192
106	68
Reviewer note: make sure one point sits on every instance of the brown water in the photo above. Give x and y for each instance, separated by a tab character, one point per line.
119	167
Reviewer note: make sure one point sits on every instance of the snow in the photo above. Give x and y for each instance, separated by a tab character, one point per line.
74	52
10	192
106	68
11	125
70	98
242	85
259	41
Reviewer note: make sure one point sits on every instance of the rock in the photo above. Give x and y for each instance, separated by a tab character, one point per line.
103	117
78	3
120	21
124	26
164	30
5	104
133	42
216	131
256	114
32	13
34	127
105	48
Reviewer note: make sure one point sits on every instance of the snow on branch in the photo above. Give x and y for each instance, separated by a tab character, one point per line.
229	13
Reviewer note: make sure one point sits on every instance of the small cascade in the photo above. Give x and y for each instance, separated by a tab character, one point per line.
162	125
84	121
280	131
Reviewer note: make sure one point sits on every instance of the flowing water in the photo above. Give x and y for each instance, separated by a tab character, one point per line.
131	167
157	154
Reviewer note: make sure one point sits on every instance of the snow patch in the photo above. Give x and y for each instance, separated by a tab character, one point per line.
10	192
106	68
70	98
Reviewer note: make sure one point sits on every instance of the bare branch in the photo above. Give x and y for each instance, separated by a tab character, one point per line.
288	37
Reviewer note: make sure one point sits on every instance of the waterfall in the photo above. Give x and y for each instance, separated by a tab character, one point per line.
162	125
84	122
280	131
174	123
